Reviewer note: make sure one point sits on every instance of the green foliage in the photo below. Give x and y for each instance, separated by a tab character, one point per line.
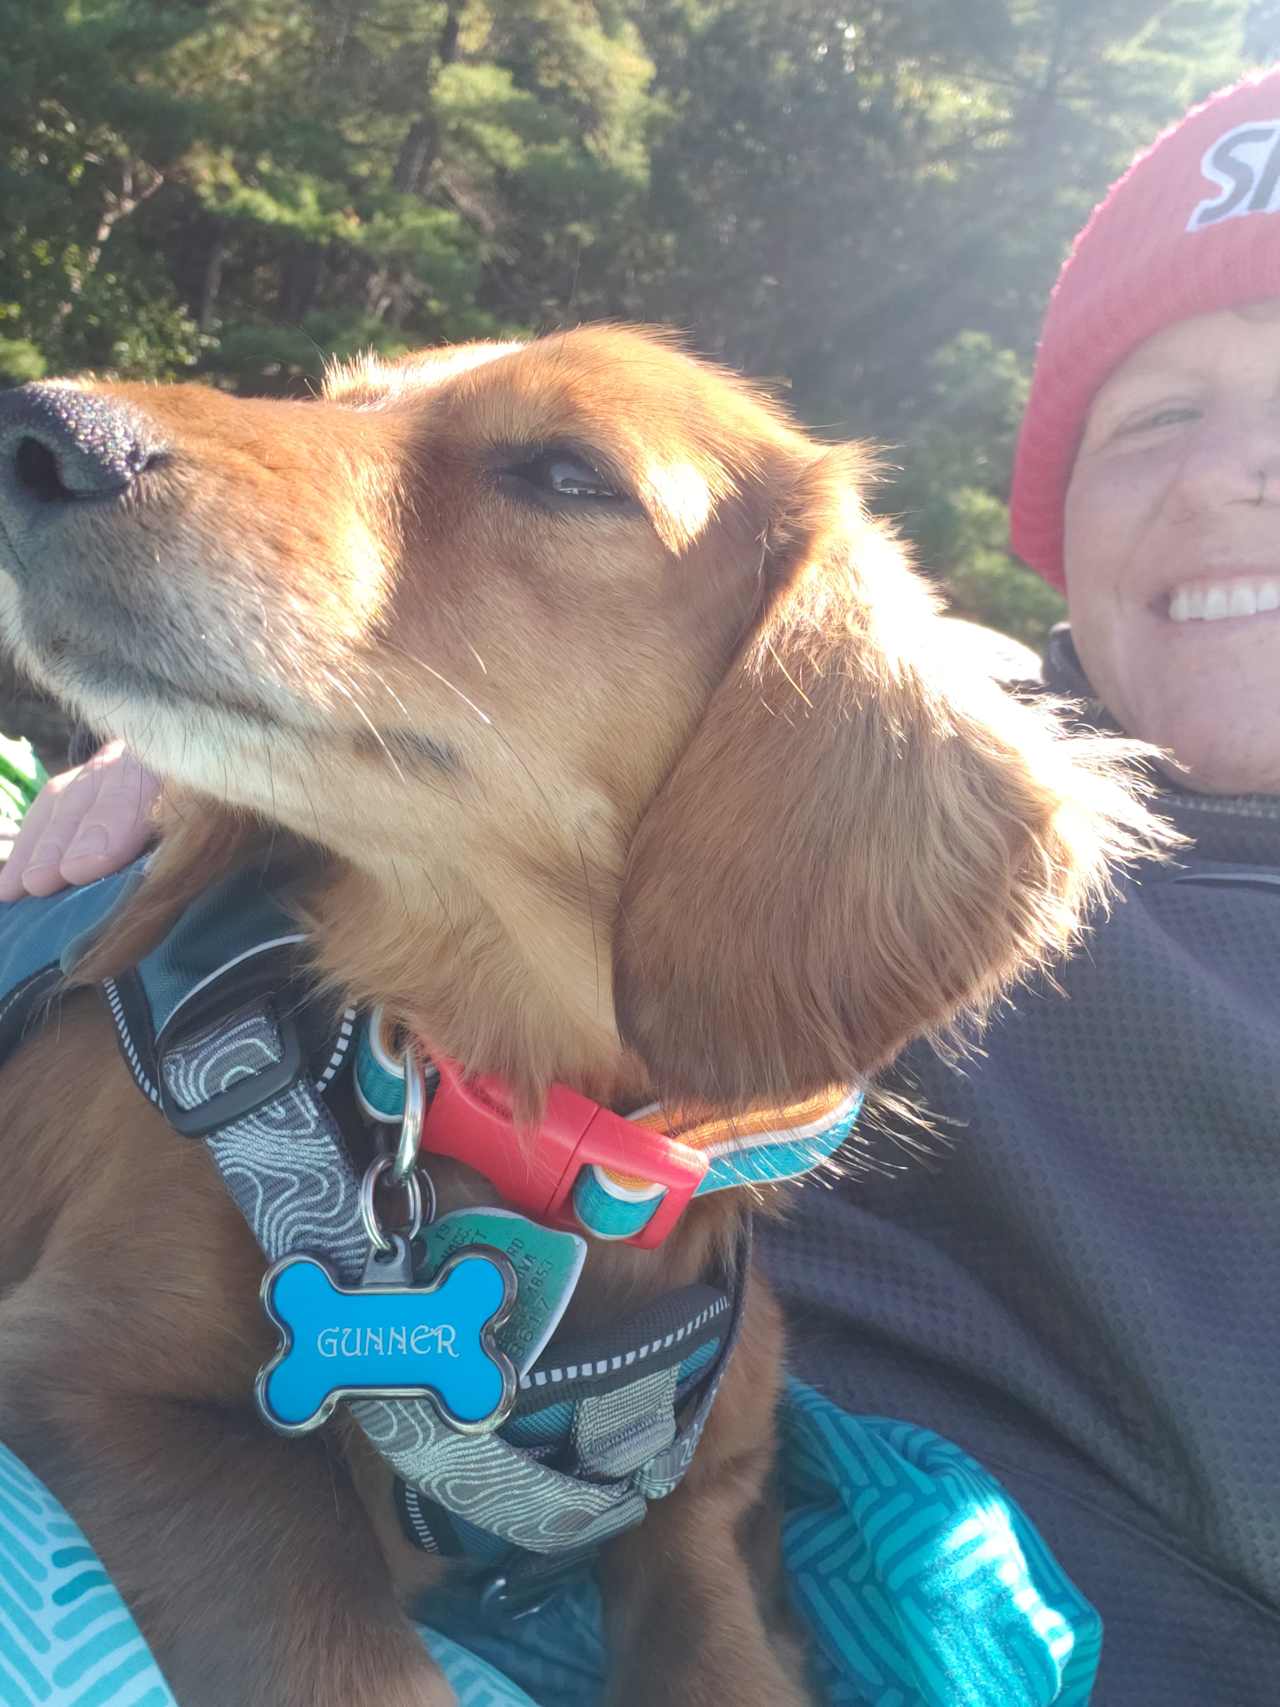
865	203
982	580
841	193
20	361
955	461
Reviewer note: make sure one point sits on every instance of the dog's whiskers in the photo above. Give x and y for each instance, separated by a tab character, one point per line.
387	688
377	677
442	679
349	693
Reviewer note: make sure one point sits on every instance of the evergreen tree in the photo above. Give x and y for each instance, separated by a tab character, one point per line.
864	204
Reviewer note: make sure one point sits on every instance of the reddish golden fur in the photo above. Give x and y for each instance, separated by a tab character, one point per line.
712	817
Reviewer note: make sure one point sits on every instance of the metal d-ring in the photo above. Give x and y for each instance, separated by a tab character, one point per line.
415	1108
412	1183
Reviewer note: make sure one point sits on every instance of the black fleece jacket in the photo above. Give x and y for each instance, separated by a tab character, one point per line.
1081	1284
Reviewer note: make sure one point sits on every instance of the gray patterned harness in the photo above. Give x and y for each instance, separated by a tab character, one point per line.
220	1028
287	1168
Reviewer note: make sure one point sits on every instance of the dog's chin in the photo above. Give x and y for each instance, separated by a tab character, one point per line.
105	658
206	733
99	682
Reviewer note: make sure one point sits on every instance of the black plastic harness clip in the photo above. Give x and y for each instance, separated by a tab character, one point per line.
246	1095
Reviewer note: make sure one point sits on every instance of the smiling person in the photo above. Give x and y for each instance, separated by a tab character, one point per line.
1172	549
1082	1285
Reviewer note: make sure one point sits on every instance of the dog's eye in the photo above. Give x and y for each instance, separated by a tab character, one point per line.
565	474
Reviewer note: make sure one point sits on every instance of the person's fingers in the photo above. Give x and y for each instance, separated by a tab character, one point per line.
118	822
72	793
30	833
83	824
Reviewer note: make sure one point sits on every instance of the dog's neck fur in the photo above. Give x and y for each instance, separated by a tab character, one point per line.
517	983
444	957
521	1001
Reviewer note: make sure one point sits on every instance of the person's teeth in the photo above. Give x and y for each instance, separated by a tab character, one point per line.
1209	603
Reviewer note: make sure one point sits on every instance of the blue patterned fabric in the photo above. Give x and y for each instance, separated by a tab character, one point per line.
922	1583
66	1637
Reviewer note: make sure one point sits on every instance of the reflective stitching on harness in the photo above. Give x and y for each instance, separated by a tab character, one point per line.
622	1360
340	1048
126	1041
288	1170
421	1529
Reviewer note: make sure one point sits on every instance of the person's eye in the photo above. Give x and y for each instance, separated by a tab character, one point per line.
1152	420
564	474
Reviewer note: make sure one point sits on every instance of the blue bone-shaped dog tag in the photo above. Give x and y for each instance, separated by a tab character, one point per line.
395	1341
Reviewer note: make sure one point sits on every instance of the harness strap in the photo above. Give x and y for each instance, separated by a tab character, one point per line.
616	1430
283	1160
219	1029
615	1434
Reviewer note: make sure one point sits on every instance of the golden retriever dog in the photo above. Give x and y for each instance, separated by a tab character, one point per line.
619	748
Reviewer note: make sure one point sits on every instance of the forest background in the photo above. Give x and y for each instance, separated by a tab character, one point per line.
862	204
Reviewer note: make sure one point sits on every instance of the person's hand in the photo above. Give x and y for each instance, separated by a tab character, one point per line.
83	824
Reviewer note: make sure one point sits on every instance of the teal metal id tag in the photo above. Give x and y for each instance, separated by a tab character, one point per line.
547	1265
389	1339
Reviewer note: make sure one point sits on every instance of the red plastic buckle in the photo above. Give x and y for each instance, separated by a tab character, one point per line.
470	1120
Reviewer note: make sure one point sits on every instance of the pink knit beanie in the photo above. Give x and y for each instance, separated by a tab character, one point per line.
1192	226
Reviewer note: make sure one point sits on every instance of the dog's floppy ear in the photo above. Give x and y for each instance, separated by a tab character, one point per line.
201	842
861	841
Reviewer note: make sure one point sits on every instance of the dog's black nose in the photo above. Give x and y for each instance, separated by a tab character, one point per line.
59	446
